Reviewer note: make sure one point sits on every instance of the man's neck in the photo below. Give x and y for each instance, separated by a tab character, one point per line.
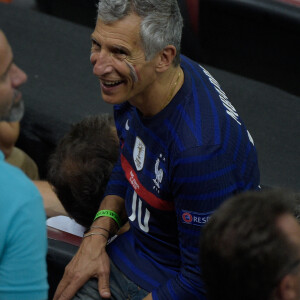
160	93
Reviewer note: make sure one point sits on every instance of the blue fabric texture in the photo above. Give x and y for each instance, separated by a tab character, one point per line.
175	169
23	237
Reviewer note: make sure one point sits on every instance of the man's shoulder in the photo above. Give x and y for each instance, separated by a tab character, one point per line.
193	67
205	111
15	184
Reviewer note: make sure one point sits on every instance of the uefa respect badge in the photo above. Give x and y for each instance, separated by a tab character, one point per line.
195	218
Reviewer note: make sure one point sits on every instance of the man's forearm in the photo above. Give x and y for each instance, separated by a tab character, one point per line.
52	205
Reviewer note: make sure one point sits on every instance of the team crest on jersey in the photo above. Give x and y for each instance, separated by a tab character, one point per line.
139	152
159	173
195	218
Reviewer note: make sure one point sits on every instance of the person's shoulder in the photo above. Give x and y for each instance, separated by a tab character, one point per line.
16	185
201	77
191	65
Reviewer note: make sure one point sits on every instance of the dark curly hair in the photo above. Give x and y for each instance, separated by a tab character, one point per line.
81	165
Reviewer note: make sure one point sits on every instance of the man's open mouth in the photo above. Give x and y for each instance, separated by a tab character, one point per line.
109	84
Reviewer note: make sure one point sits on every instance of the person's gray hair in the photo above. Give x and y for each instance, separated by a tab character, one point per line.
161	22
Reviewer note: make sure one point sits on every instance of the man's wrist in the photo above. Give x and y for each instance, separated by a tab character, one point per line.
95	233
110	214
105	225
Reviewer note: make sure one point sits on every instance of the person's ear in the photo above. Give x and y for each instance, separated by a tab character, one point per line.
287	289
165	58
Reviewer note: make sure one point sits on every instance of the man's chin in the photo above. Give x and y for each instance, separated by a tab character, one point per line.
15	113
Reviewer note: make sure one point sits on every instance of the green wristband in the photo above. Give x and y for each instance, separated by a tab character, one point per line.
110	214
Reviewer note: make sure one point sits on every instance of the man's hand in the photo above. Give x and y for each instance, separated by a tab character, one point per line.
91	260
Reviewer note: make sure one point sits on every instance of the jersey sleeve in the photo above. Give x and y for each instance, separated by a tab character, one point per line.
201	179
117	184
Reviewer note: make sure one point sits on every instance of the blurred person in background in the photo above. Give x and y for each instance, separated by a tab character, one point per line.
250	248
12	112
79	170
23	239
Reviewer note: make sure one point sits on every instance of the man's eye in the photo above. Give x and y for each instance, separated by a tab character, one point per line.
95	45
120	54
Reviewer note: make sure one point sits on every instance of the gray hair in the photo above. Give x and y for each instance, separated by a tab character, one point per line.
161	22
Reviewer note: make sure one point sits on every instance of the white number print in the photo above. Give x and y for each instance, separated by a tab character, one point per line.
145	226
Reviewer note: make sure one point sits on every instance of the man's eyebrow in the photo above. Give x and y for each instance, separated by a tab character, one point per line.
113	47
7	69
94	39
119	47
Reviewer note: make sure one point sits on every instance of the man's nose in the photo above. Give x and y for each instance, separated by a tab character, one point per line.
102	62
18	76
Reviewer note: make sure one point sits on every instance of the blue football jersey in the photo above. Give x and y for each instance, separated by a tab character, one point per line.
175	169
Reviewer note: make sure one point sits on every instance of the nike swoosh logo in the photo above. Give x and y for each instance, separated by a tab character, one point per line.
126	125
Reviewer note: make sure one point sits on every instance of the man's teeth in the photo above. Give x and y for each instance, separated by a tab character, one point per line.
112	83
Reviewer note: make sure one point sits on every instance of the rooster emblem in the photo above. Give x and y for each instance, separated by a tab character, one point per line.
159	173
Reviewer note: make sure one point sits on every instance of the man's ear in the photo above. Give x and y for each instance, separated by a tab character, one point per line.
287	288
165	58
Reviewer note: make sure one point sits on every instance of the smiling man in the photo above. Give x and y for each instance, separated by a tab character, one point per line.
183	151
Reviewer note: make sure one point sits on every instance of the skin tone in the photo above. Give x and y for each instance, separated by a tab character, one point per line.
52	205
289	286
11	78
9	133
117	56
121	67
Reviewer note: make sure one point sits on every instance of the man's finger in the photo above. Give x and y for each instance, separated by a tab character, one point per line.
67	289
60	288
103	285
